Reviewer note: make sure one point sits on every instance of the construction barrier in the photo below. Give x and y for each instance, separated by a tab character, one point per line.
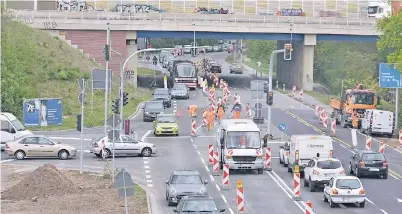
316	112
368	143
283	86
268	159
296	183
225	178
235	98
309	207
325	121
320	112
400	138
216	80
211	154
221	86
333	127
301	94
216	163
248	111
294	91
382	147
193	127
240	196
277	84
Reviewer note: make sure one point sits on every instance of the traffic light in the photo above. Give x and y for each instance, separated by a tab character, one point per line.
125	98
270	98
288	52
116	106
106	50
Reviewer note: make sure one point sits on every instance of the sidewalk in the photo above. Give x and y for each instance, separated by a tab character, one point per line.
308	100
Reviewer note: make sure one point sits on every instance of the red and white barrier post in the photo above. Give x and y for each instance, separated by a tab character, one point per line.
193	127
301	94
320	114
216	164
240	196
309	208
294	91
325	121
248	111
204	121
211	154
225	178
103	149
268	159
316	111
296	183
382	147
368	143
333	127
400	138
235	98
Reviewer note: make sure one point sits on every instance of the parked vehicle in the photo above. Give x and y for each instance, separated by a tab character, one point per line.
378	122
197	204
39	146
368	163
125	145
284	154
319	171
151	109
11	128
344	190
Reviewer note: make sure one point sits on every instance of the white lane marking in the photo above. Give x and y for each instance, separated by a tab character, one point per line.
202	160
393	176
206	168
223	198
399	200
174	110
211	177
146	167
85	151
149	181
383	211
146	135
195	146
145	158
150	185
291	106
198	128
147	171
8	160
217	187
198	152
145	162
69	138
148	176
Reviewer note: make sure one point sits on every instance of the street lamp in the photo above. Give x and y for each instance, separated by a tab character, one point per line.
194	53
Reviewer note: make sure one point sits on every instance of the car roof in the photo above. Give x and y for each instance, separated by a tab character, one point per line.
169	115
368	152
195	197
7	116
186	172
326	159
346	177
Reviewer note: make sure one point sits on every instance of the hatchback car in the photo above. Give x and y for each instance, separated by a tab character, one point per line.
184	183
39	146
125	145
180	93
163	95
236	68
319	171
151	109
368	163
215	68
197	204
166	124
344	190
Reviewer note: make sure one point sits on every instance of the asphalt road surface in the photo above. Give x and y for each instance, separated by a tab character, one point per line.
270	192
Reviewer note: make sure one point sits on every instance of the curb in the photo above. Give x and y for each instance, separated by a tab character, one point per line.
136	110
147	192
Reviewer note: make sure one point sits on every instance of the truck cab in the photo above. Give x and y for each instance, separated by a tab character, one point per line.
379	9
239	145
378	122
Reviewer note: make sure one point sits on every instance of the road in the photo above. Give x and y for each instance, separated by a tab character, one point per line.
270	192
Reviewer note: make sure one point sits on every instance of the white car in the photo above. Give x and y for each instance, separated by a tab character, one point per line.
284	154
125	145
319	171
344	190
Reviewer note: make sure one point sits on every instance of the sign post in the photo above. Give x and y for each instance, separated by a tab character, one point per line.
125	185
82	101
113	135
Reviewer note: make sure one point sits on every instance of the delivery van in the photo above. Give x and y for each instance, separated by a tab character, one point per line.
11	128
305	147
378	122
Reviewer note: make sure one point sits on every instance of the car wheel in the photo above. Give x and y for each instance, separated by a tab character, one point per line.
97	155
350	169
358	173
144	120
19	155
305	182
155	134
331	203
385	176
170	203
177	134
325	199
362	204
280	161
312	185
63	154
260	170
146	152
107	153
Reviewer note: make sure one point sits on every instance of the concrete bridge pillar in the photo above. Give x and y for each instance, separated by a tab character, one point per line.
298	71
131	43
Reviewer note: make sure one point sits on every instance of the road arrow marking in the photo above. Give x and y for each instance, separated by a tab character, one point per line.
399	200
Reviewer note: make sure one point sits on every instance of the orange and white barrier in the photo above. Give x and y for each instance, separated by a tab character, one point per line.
211	154
193	127
204	122
382	147
294	91
268	159
301	94
213	107
216	163
221	86
400	138
325	121
368	143
320	113
248	111
240	196
333	127
216	80
296	186
225	178
309	208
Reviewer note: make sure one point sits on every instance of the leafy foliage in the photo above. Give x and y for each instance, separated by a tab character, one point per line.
391	40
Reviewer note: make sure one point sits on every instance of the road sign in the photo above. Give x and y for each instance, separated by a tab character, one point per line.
282	127
124	184
81	98
258	106
389	77
116	120
113	133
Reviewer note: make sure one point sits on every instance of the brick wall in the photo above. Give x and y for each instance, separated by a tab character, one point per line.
92	43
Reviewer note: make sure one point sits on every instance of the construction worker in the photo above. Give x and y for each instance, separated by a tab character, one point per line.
210	119
355	120
192	110
237	109
221	112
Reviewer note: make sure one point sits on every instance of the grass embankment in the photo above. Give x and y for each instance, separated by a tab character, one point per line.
250	63
37	65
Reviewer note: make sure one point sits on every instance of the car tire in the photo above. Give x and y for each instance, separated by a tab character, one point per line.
289	169
146	152
144	120
155	134
361	205
325	199
350	169
63	154
108	153
331	203
19	155
177	134
358	173
97	155
385	176
260	171
305	183
280	161
312	185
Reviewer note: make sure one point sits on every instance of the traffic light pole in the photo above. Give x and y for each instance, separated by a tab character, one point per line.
121	88
106	81
271	68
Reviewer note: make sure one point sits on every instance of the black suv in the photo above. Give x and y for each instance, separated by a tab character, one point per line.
198	204
163	94
368	163
151	109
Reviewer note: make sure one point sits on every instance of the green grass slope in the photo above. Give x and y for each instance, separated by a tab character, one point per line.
37	65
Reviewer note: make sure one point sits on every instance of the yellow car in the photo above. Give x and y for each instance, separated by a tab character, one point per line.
166	124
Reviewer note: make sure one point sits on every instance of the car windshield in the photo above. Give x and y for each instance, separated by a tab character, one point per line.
363	98
186	179
154	106
372	10
18	125
161	93
166	119
373	157
180	90
348	184
243	140
199	205
185	70
329	164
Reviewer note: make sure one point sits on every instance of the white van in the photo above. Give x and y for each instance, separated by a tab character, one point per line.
378	122
11	128
305	147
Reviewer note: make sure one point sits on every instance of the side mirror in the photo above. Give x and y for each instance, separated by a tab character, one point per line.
282	147
175	210
378	100
206	182
12	130
166	182
221	210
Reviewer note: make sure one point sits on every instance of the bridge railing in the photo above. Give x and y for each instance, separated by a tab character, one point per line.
57	15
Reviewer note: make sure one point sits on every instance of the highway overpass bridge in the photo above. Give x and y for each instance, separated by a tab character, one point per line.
87	30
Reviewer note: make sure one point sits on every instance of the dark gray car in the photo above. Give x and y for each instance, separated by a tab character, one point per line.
198	204
184	183
368	163
151	109
163	95
180	93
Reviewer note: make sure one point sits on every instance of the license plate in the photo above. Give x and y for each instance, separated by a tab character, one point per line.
245	165
329	175
374	169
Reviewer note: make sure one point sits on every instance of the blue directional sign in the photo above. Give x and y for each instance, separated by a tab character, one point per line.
282	127
390	77
43	112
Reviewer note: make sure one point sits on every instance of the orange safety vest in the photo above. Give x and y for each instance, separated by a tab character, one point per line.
193	110
220	113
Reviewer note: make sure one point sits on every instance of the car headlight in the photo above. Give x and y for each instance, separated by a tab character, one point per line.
146	112
203	190
259	157
172	191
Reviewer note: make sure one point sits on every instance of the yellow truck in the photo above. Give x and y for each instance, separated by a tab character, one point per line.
355	101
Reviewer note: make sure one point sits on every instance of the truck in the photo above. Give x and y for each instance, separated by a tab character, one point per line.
381	9
239	145
354	101
185	72
305	147
378	122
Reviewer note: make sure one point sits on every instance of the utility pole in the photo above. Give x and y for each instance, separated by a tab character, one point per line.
107	76
121	91
241	51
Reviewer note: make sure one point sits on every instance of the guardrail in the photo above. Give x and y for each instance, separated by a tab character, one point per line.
31	16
